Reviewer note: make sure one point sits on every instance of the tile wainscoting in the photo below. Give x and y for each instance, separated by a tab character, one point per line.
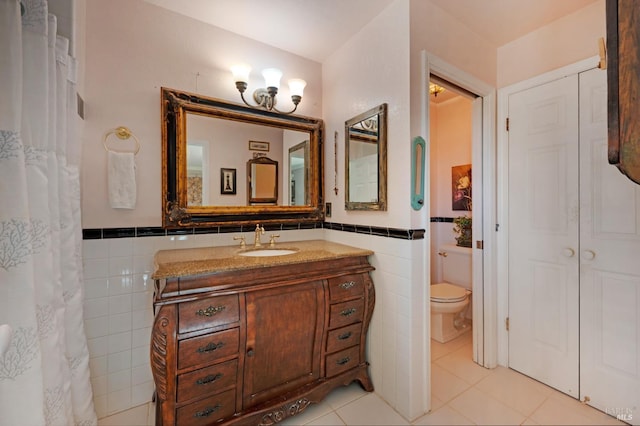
118	309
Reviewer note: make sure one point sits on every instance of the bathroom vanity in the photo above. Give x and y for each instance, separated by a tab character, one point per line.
253	337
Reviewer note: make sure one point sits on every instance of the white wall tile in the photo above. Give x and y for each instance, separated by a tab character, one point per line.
119	380
120	247
97	287
119	342
120	266
98	366
99	385
140	355
98	346
120	285
120	304
96	268
118	401
94	308
142	393
118	362
141	374
94	249
96	327
119	323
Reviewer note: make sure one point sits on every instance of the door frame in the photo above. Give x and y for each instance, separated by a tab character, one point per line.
502	200
483	159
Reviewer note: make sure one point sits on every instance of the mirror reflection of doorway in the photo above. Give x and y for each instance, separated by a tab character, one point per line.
298	161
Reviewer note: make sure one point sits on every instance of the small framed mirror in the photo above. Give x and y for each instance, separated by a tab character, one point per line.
298	176
262	181
366	160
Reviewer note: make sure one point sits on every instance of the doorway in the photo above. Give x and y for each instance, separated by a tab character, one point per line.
483	193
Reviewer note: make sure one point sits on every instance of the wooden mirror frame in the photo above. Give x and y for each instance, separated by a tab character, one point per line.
381	204
175	210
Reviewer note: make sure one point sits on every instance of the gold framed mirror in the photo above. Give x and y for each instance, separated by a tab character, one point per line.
206	145
366	160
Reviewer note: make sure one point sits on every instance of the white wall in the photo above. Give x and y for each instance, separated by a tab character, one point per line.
134	48
562	42
450	146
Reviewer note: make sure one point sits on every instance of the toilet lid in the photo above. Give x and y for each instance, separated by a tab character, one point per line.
445	292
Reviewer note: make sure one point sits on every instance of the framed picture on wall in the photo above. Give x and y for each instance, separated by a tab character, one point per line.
461	187
228	181
258	146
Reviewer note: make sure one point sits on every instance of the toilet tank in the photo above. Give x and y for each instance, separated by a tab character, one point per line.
456	265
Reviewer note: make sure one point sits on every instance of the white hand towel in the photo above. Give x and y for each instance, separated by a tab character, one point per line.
122	180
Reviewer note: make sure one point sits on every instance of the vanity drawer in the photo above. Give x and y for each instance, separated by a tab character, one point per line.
206	313
342	361
207	411
346	313
208	348
210	380
346	287
344	337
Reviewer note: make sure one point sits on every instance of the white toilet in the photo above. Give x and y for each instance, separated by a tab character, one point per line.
450	299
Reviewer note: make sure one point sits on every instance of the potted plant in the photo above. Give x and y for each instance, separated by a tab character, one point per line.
462	227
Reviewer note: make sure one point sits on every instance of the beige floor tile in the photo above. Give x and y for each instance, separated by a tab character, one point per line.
444	415
445	385
344	395
370	410
461	364
436	403
573	405
556	412
519	392
310	414
483	409
331	419
136	416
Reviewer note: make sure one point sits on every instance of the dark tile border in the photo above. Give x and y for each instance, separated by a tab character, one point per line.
104	233
442	219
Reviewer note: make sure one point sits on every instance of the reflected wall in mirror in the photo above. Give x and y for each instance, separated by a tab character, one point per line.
298	171
203	136
366	160
262	181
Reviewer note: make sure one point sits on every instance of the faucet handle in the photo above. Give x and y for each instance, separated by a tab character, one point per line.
272	242
243	244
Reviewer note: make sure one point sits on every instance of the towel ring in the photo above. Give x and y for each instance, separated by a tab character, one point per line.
122	133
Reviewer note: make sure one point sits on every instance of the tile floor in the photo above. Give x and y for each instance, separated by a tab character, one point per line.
463	393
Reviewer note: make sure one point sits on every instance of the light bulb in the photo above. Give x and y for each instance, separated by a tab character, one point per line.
240	73
296	86
272	77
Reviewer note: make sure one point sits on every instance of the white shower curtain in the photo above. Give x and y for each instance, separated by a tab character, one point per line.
44	375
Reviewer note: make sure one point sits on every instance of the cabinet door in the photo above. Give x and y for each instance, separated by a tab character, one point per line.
284	335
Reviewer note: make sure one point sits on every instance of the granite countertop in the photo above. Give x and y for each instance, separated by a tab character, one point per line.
194	261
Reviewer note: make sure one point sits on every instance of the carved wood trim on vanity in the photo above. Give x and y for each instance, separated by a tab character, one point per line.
310	319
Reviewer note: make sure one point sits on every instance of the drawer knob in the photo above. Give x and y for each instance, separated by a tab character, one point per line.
210	311
209	379
207	411
347	285
210	347
343	361
348	312
345	336
250	352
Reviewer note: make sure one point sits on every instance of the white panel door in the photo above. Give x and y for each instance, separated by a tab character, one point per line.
543	233
610	265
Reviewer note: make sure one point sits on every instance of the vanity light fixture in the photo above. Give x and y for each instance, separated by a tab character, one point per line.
266	98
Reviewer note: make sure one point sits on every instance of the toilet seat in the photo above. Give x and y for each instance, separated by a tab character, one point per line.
447	293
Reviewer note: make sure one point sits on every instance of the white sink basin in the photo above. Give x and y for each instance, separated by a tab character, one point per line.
268	252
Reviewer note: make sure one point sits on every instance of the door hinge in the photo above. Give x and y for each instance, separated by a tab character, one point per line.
507	124
480	244
506	323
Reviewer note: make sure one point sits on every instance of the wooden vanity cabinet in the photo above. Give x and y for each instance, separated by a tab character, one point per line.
256	346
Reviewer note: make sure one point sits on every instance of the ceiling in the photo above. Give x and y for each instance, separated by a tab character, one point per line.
316	28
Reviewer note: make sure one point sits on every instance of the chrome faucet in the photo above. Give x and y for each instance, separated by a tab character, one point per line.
259	231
